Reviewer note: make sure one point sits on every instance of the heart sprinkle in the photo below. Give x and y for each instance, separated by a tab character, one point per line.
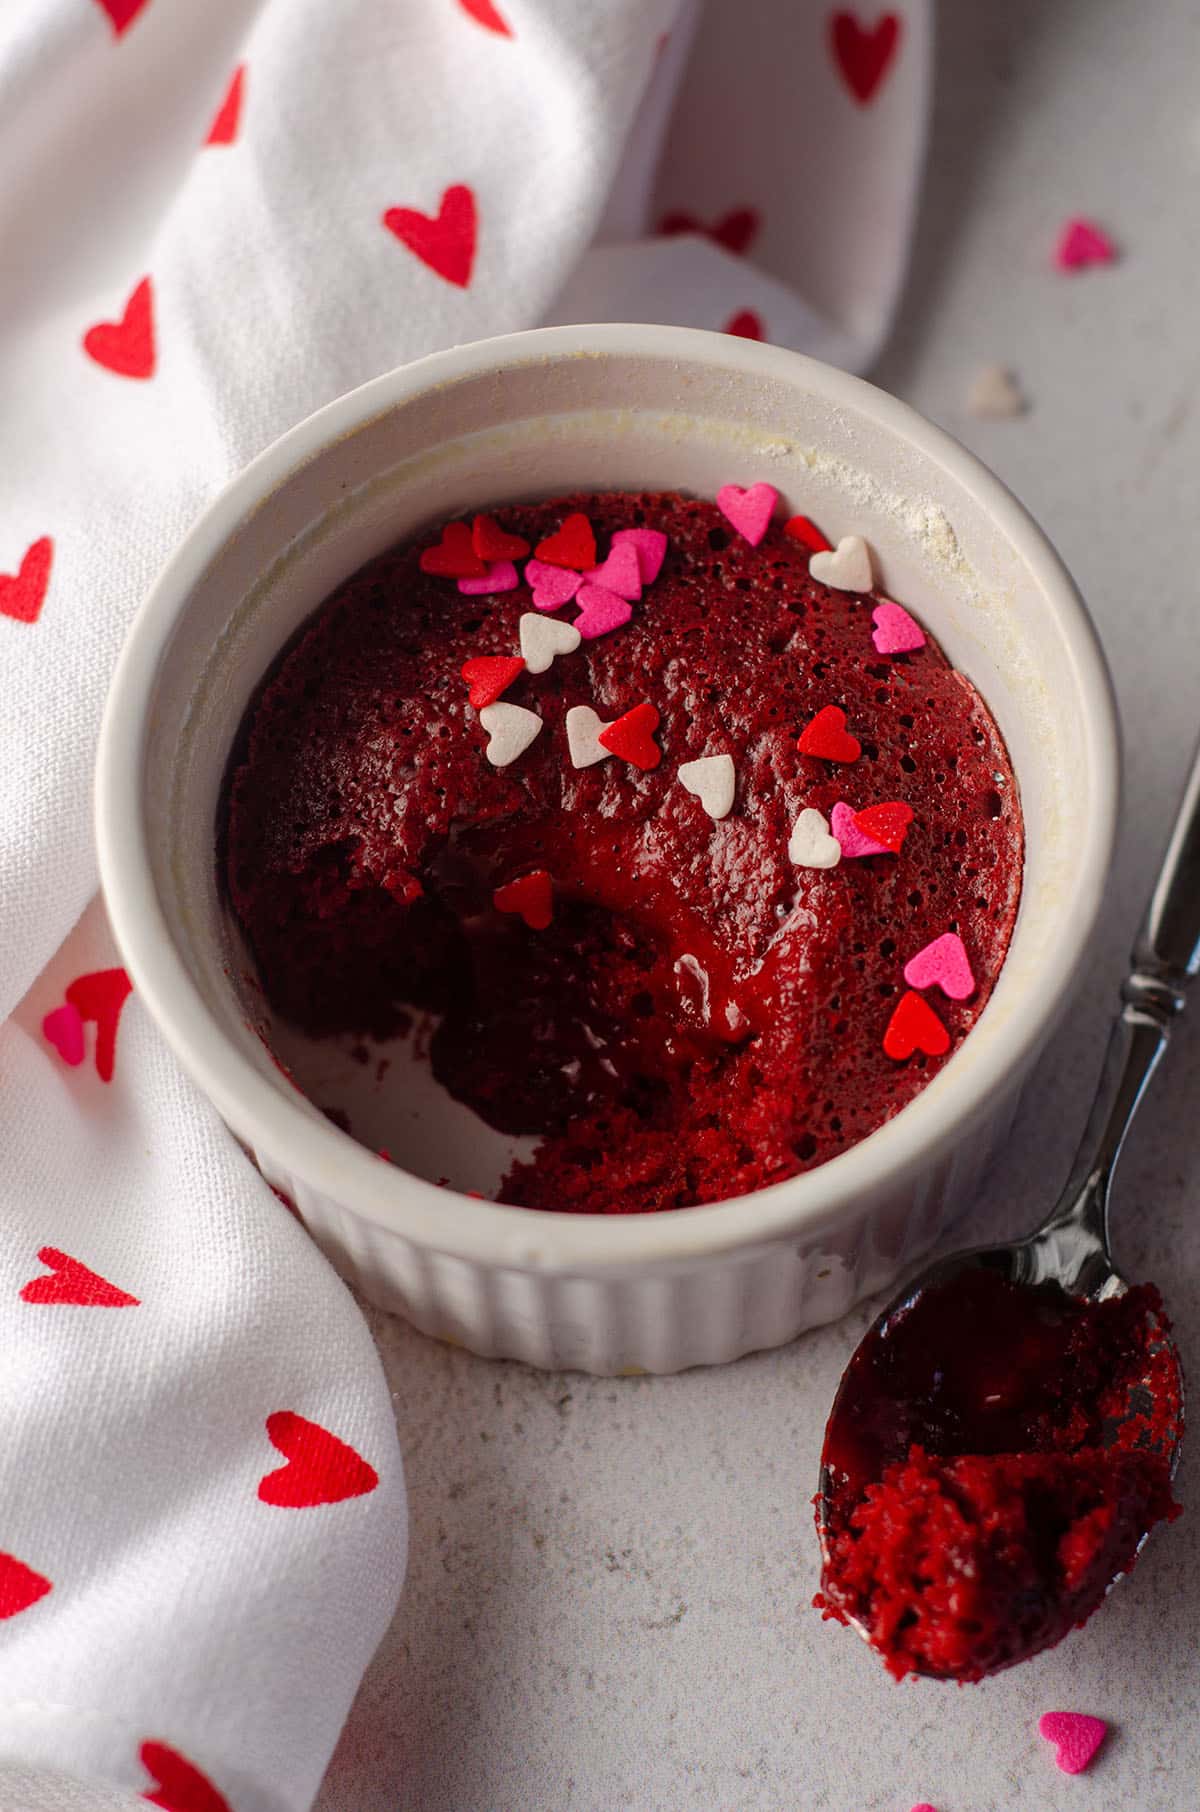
491	542
510	730
531	896
827	738
1077	1738
488	675
914	1026
943	964
748	510
631	737
851	840
847	568
806	532
501	575
602	611
573	545
887	823
651	545
621	572
454	556
712	780
552	586
995	395
583	737
1082	242
544	637
810	844
895	632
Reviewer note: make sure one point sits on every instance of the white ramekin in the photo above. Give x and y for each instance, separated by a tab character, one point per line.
533	414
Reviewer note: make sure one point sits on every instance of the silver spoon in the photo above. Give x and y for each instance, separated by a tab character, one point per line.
1071	1246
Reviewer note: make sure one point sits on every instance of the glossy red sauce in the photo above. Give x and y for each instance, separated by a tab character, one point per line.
701	1018
992	1465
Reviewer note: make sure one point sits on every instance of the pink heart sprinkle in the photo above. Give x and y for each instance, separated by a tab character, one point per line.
924	1807
64	1030
602	610
621	572
1082	242
651	545
895	632
943	964
553	586
853	841
501	575
749	511
1078	1738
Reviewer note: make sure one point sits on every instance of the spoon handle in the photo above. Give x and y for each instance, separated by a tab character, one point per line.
1166	955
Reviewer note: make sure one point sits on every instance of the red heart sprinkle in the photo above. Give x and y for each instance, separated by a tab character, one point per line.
23	594
632	737
488	675
100	997
887	823
178	1785
68	1282
530	895
126	346
20	1586
828	738
804	530
320	1469
864	56
746	325
491	542
914	1026
444	241
454	557
734	230
224	128
574	545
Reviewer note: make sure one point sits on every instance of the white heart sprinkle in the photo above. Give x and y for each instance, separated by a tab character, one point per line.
544	637
847	568
511	729
711	779
995	395
811	844
583	737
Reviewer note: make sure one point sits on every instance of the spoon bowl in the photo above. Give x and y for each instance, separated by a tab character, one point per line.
1024	1401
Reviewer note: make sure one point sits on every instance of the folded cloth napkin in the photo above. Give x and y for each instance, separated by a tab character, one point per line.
215	218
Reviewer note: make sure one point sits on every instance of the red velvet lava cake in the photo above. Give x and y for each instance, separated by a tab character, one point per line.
701	853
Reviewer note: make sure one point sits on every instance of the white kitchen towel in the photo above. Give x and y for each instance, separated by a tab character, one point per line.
216	215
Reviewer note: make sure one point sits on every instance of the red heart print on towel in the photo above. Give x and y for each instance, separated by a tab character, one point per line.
320	1469
735	230
179	1786
864	56
64	1030
23	593
227	118
68	1283
99	997
746	325
126	347
20	1586
123	12
444	241
485	14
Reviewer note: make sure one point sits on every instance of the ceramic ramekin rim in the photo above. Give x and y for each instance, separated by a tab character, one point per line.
488	1232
